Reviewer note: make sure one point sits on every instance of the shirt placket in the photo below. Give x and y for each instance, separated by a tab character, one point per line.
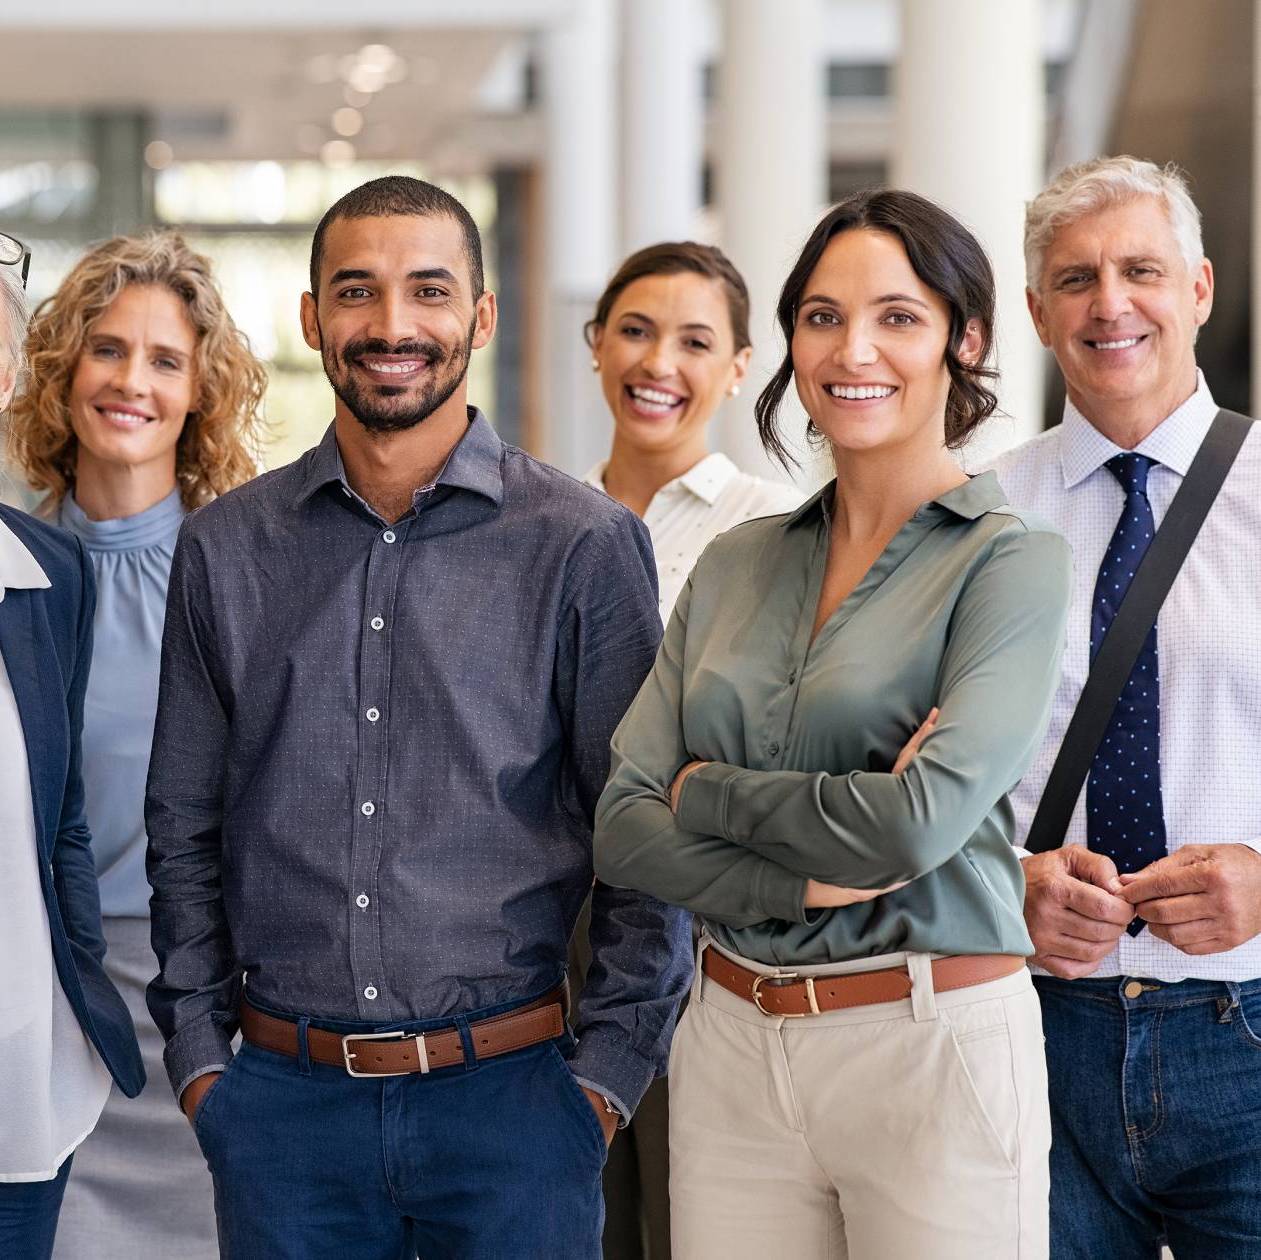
371	819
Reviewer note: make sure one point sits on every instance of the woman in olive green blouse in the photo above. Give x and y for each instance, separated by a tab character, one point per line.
850	860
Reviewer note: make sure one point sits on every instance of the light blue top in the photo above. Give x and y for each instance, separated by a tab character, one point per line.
132	561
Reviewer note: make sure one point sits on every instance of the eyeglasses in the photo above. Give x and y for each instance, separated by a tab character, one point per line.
13	252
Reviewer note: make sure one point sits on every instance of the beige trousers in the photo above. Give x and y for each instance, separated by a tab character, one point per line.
913	1130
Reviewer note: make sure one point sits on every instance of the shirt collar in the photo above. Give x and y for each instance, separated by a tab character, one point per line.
475	464
19	570
1173	442
706	479
975	497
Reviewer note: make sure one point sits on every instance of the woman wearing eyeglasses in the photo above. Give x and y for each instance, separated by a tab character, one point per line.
64	1030
143	404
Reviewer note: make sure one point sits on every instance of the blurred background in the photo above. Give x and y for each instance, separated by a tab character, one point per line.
577	130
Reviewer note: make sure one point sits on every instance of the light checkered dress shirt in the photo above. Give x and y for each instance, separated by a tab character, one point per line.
1210	648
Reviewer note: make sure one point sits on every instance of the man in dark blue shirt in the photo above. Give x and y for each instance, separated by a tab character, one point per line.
389	678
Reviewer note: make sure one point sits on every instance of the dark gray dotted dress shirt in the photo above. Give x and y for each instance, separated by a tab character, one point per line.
378	753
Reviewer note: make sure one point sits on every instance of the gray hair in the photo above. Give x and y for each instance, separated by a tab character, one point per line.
1087	187
13	316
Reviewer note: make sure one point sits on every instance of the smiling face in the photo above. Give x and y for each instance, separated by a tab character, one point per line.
395	321
1119	307
134	384
667	359
868	349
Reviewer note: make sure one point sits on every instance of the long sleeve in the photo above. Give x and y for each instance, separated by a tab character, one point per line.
640	947
194	998
74	873
638	841
869	829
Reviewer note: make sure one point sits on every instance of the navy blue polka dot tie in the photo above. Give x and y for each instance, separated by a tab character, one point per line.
1125	814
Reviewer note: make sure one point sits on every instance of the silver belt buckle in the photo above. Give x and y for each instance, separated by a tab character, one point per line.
421	1053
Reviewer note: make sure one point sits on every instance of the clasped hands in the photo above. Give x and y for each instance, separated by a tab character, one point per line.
1203	899
820	896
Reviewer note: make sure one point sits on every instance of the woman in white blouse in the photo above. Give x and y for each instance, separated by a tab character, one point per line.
670	341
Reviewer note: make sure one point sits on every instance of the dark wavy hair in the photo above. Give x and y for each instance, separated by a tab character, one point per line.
946	257
669	258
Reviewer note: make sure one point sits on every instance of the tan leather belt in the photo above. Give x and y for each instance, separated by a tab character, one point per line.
789	996
397	1053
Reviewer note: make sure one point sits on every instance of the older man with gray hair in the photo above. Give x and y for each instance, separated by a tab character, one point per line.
1141	818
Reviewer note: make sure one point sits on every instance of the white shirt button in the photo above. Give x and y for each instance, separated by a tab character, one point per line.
362	901
371	993
367	809
372	714
377	623
388	536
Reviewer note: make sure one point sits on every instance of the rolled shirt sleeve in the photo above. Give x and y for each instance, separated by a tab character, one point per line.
640	946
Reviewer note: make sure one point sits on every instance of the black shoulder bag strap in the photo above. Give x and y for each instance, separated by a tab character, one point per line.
1136	616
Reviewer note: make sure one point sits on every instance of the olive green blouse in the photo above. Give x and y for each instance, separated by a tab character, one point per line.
964	609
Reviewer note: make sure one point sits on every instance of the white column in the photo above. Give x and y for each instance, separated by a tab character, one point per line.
579	88
771	168
661	121
970	134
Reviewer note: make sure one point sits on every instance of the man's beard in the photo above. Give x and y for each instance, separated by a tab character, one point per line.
371	404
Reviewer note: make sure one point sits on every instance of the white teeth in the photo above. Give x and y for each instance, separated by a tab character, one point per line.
124	417
856	393
1117	345
656	397
391	369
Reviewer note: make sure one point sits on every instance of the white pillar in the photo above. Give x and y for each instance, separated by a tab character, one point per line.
970	133
771	167
579	88
661	121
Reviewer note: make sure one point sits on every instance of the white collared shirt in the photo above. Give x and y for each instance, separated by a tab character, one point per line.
688	513
1209	632
53	1084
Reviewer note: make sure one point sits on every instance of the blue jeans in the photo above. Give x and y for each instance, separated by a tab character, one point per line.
28	1215
500	1158
1155	1118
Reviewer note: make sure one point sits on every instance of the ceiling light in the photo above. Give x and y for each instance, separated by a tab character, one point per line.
337	153
158	155
347	121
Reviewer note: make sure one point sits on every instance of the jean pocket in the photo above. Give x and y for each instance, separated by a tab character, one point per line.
984	1056
579	1101
1247	1014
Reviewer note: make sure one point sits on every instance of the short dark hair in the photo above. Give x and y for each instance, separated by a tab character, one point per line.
946	257
401	194
669	258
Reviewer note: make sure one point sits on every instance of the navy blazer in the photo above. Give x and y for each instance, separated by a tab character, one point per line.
46	643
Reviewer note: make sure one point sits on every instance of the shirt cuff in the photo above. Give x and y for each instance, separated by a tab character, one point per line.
199	1048
605	1062
703	800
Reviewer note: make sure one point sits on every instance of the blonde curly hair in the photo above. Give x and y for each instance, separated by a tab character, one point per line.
216	449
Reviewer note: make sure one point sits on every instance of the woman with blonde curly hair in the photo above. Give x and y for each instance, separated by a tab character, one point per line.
143	403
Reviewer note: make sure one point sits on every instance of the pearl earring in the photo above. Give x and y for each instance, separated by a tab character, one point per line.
595	365
734	392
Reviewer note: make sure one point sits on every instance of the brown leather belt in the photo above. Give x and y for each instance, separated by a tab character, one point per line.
789	996
397	1053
